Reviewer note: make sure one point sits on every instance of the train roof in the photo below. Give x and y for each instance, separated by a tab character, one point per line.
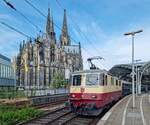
94	71
90	71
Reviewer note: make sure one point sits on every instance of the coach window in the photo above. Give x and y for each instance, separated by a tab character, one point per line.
112	81
105	79
116	82
76	80
119	83
101	79
0	70
92	79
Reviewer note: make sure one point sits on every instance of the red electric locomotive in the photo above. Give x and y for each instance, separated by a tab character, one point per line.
93	90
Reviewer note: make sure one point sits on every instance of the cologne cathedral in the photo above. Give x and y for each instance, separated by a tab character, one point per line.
40	59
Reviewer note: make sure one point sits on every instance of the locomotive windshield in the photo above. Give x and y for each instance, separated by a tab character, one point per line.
92	79
76	80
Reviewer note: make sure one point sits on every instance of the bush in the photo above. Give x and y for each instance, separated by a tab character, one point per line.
11	94
12	115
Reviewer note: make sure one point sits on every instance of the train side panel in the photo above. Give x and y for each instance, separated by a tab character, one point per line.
91	100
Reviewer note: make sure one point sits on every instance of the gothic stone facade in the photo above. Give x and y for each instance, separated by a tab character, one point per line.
39	60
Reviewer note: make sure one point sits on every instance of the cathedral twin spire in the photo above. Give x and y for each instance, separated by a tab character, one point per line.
50	27
64	37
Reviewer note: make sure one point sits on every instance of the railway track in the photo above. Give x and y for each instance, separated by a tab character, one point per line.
79	120
62	116
83	120
48	105
49	117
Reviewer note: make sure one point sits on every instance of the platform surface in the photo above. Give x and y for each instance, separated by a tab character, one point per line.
123	113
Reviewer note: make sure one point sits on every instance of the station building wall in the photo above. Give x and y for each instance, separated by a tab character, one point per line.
6	72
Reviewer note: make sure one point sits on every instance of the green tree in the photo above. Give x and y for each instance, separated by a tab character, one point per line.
58	81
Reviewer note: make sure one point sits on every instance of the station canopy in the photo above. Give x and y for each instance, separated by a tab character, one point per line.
123	71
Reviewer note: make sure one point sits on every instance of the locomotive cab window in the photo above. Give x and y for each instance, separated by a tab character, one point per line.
76	79
92	79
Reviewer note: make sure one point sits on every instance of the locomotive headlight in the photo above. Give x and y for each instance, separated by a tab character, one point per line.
94	96
73	96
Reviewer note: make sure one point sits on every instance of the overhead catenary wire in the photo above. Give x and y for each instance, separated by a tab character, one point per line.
20	32
10	5
35	8
42	14
16	30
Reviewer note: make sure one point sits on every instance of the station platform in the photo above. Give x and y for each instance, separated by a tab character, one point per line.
122	113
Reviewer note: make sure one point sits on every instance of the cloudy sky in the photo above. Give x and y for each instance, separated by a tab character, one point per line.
98	24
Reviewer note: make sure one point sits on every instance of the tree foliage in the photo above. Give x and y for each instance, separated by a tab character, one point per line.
59	81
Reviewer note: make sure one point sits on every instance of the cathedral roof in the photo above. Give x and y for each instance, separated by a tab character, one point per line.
74	49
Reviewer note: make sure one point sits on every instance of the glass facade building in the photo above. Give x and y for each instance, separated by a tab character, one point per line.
6	72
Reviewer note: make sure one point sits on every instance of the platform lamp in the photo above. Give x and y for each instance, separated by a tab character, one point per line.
133	73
